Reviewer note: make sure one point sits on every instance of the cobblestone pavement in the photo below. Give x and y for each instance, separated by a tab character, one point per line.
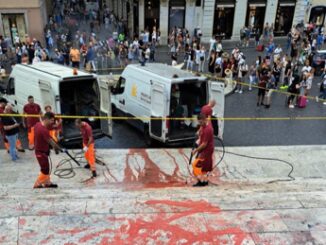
145	197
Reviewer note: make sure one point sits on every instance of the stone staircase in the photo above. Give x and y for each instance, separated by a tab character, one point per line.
145	197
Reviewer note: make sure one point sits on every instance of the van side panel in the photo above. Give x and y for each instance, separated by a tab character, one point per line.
27	83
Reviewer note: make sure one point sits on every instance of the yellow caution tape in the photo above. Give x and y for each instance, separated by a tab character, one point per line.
170	118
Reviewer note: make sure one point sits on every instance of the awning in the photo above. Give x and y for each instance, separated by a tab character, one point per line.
285	3
257	3
225	5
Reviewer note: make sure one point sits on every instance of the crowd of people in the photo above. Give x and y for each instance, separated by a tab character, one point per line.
291	69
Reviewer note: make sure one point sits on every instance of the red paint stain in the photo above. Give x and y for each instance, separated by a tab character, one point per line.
47	213
47	240
28	235
151	176
22	221
168	222
72	231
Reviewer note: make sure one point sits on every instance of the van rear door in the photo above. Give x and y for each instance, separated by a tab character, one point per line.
158	108
216	92
47	95
105	108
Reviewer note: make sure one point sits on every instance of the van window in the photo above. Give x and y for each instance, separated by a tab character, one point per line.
11	86
120	87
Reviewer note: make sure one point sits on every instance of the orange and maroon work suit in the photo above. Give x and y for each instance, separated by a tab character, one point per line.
204	162
2	132
42	151
87	133
55	130
31	109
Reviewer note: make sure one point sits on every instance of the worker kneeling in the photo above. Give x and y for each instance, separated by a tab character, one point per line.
42	143
203	164
88	144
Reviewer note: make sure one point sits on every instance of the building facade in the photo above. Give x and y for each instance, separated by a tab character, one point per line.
20	18
221	17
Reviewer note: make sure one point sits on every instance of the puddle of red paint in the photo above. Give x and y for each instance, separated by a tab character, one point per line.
167	221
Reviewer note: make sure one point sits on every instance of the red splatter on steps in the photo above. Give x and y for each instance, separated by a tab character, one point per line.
151	176
22	221
72	231
171	223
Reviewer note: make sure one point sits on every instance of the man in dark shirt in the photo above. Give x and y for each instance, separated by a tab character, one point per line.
88	144
19	147
11	130
204	162
31	108
42	150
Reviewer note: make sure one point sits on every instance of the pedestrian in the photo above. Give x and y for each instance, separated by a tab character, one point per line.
201	59
211	62
174	60
322	91
31	108
243	70
90	57
252	76
74	57
294	89
203	164
43	142
19	147
191	58
263	72
11	130
88	145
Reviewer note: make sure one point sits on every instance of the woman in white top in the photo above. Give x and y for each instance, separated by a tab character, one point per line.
200	57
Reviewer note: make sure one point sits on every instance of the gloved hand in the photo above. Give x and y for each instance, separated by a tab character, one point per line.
85	149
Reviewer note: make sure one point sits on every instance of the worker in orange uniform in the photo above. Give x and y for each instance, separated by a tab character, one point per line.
31	108
88	144
42	150
56	128
203	164
19	147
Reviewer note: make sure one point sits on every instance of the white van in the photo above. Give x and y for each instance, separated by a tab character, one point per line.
67	94
158	92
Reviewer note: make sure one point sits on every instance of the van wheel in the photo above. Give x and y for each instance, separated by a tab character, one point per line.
147	137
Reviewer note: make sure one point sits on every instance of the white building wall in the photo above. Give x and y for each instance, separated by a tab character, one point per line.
239	21
300	11
208	20
190	22
164	21
141	15
271	10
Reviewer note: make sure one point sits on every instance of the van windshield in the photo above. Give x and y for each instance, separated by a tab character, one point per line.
186	102
79	98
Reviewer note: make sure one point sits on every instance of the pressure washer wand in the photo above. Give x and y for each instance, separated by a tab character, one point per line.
70	156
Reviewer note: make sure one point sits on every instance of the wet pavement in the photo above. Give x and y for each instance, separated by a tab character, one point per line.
146	197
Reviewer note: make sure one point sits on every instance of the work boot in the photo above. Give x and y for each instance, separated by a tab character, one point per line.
87	166
199	183
21	150
205	183
51	185
94	174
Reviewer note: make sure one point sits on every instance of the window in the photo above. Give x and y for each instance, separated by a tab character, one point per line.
120	87
11	86
198	3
